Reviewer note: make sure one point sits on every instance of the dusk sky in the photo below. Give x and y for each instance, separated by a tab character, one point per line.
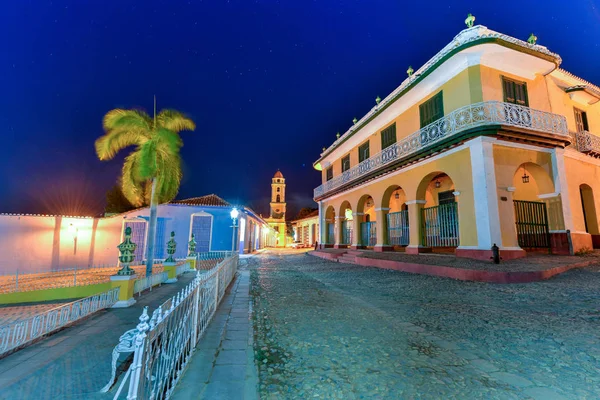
268	83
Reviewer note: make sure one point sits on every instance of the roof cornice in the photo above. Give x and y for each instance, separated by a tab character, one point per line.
466	38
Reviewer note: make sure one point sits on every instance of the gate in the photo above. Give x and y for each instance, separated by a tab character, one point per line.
368	234
398	232
330	234
440	225
531	219
346	232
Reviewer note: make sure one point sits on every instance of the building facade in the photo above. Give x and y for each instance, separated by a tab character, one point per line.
277	208
489	142
306	229
43	243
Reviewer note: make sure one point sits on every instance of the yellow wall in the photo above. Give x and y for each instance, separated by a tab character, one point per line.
456	165
580	173
491	82
54	294
461	90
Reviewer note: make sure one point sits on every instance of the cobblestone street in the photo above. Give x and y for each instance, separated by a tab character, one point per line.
333	330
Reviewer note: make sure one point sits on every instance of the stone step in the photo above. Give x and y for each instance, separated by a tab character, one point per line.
354	252
347	259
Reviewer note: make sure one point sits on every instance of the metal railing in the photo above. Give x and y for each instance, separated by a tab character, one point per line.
587	142
440	225
182	269
398	228
148	282
471	116
209	259
21	332
41	280
163	344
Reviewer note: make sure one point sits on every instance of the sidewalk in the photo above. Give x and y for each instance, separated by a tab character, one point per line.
223	366
75	363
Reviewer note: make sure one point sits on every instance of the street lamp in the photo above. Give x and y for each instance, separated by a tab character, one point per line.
73	231
234	215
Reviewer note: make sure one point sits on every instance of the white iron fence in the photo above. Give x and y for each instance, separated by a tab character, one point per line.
208	260
487	113
24	331
182	269
162	345
149	282
40	280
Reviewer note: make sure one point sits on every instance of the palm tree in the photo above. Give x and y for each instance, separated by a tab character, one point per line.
152	172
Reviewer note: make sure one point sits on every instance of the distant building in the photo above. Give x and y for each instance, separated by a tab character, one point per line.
276	218
306	229
489	142
42	242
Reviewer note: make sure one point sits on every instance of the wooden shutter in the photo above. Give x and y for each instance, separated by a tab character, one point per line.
329	173
515	92
388	136
346	163
363	152
432	110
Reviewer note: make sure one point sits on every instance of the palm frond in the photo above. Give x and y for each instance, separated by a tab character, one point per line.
148	156
108	145
174	121
170	139
130	182
119	118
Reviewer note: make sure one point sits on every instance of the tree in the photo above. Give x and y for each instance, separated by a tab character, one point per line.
116	202
152	171
303	213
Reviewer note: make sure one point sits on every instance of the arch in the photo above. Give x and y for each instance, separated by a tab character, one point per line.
531	180
278	189
343	207
394	198
329	226
201	224
278	199
439	216
366	205
367	222
434	184
588	207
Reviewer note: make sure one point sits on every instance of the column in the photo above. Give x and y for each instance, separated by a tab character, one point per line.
125	283
415	228
322	225
339	232
356	240
383	243
579	239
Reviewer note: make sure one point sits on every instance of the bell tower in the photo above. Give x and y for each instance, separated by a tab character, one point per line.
278	196
276	218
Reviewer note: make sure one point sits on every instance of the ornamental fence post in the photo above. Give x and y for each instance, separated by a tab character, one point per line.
138	355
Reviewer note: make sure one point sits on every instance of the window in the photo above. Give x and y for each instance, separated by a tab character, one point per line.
329	173
346	163
446	197
278	199
515	92
278	190
581	120
388	136
432	110
363	152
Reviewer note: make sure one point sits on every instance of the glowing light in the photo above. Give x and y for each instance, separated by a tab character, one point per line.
234	213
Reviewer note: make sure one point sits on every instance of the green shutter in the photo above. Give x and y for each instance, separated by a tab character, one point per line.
363	152
388	136
431	110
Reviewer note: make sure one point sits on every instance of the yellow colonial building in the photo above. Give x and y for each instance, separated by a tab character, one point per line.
490	142
306	229
276	218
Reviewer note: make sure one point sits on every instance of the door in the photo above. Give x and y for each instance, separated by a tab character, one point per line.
368	234
201	228
531	219
398	232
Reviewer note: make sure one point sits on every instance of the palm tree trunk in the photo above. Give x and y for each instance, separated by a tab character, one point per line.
151	230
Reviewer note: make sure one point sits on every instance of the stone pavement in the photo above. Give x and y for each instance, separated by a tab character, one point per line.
223	366
75	363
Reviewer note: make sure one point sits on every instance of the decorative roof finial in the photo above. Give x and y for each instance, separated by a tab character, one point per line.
410	71
337	135
355	121
378	100
469	21
324	148
532	39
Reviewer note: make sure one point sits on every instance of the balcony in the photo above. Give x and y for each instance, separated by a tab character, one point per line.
587	143
489	113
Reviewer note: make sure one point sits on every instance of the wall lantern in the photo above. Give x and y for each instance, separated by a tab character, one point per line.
397	196
525	177
368	203
438	183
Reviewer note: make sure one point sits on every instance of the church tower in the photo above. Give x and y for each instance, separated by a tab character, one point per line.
278	196
276	218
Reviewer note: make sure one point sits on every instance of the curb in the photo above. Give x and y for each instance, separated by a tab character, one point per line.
461	274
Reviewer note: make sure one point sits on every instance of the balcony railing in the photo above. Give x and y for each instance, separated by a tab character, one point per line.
587	143
459	120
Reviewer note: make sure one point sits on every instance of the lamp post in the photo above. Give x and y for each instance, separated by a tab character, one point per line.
234	215
73	230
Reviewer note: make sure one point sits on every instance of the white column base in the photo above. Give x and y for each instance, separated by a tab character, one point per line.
124	303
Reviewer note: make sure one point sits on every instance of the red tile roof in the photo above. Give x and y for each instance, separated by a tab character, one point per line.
208	200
